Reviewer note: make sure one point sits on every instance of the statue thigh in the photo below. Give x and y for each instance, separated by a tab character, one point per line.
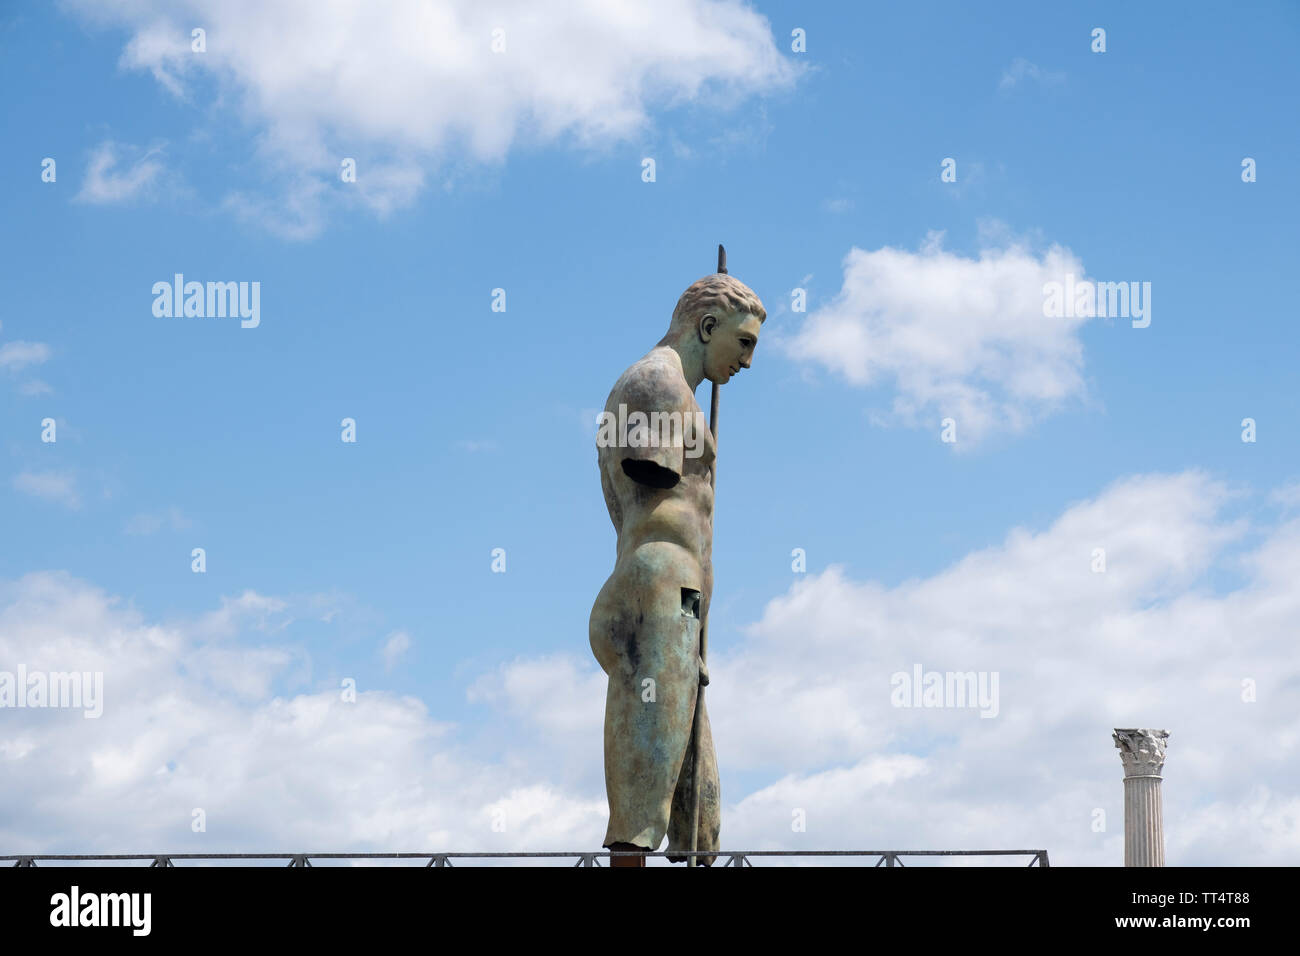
645	633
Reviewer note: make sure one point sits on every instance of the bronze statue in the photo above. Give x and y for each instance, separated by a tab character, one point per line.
657	459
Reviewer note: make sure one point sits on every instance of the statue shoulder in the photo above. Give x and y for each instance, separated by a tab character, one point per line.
653	382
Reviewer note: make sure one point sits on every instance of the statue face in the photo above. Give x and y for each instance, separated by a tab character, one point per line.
729	344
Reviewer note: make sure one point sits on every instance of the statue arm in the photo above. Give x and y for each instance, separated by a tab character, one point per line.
653	452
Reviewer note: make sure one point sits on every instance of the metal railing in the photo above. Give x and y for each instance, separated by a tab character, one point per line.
583	858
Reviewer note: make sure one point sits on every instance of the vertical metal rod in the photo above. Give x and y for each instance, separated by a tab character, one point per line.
704	624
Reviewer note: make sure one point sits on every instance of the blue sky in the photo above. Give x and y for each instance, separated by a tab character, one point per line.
475	428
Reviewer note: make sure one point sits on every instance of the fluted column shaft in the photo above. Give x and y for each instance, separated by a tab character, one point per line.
1143	754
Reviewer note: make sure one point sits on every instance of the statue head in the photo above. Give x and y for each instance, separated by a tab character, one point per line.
720	317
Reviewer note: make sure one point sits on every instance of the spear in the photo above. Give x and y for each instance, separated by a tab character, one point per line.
704	625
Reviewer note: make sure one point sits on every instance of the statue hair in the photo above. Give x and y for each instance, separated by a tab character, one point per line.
719	294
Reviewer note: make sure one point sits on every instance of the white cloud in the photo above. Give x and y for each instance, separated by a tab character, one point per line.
839	793
59	487
956	337
16	355
805	701
405	86
246	673
295	213
1287	495
397	644
147	523
192	723
265	613
801	712
553	693
108	182
1021	69
1077	652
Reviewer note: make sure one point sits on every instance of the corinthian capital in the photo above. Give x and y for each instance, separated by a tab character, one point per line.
1142	751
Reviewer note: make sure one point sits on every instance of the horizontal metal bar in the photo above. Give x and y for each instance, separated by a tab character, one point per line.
1040	856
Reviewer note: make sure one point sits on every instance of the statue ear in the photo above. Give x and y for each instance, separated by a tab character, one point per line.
708	325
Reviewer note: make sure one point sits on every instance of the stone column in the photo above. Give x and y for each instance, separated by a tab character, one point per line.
1143	754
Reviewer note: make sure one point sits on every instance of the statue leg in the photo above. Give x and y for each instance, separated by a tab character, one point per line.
646	638
679	825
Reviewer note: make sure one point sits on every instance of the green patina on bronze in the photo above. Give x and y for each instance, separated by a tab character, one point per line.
646	623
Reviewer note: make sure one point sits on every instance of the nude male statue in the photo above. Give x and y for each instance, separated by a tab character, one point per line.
644	627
